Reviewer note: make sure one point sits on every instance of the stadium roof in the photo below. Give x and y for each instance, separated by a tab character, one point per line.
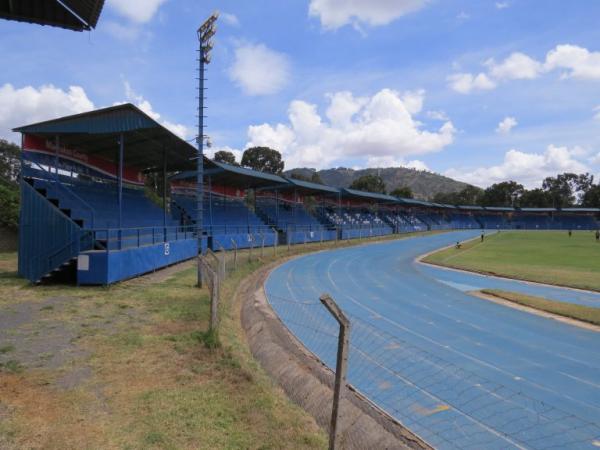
237	176
412	201
309	187
97	133
580	209
499	208
470	207
347	192
75	15
538	209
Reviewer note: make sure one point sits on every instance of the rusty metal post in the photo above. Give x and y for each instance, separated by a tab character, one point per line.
340	368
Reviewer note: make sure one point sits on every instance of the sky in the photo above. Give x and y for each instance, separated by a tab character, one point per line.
481	91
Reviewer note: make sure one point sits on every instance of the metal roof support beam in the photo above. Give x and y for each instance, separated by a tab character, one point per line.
164	196
120	179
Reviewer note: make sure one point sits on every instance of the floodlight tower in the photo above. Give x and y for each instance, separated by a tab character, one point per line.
206	31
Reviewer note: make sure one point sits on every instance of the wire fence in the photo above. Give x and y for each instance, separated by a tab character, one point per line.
448	406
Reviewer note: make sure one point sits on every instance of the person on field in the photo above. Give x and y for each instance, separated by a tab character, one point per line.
482	236
457	245
597	235
570	233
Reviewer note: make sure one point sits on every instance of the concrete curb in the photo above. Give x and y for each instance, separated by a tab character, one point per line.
308	382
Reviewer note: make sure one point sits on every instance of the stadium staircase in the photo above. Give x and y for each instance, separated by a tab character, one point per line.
50	238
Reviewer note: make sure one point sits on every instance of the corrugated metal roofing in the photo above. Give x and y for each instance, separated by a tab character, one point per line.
312	187
97	133
538	209
371	195
471	207
236	176
499	208
580	209
75	15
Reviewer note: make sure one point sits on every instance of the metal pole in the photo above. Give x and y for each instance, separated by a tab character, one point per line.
340	368
200	156
165	190
120	179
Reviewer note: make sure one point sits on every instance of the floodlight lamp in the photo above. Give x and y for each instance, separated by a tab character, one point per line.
207	34
206	59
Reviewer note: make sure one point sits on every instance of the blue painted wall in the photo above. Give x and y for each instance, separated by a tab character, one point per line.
109	267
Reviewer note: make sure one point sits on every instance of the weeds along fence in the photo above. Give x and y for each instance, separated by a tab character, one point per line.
447	406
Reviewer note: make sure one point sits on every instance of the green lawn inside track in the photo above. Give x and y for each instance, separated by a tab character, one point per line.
544	256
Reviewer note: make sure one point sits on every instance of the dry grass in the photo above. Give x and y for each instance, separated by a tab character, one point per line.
139	375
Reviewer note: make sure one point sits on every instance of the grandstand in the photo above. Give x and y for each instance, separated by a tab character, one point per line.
87	216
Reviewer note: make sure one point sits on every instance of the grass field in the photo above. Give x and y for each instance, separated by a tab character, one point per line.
579	312
544	256
127	367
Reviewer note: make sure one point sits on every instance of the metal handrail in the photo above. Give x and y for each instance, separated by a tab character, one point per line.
58	183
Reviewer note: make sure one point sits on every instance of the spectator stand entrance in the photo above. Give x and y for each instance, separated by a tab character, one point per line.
85	214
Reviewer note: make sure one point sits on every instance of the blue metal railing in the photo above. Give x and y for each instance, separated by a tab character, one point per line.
64	188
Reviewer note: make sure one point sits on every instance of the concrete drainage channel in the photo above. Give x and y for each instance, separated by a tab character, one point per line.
308	382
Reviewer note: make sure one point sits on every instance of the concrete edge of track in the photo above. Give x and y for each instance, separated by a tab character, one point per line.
306	380
419	260
538	312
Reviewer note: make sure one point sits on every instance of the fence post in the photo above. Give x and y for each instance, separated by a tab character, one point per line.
262	247
199	272
214	301
250	250
234	254
340	368
223	262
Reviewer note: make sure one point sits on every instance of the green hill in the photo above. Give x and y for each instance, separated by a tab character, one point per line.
423	184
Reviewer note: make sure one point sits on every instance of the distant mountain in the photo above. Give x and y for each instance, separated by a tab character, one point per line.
423	184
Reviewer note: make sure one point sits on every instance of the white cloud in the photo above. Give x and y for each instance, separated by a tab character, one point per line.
229	19
516	67
502	5
22	106
579	62
597	111
122	32
258	70
179	129
576	62
334	14
507	124
437	115
526	168
465	83
139	11
210	152
463	16
363	128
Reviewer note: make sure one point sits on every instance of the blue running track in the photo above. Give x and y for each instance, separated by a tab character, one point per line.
459	371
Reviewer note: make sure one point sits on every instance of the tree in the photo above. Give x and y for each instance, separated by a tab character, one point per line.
402	191
535	198
10	164
471	195
10	167
226	157
264	159
591	198
506	193
567	188
369	183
